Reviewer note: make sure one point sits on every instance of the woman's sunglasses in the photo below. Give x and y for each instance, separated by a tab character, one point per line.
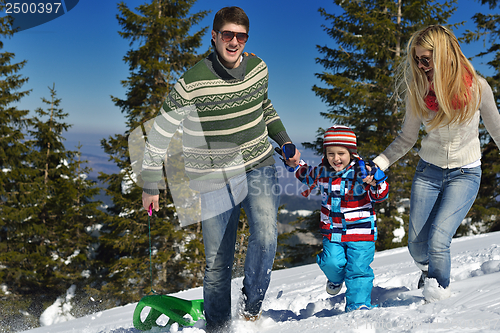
424	61
228	36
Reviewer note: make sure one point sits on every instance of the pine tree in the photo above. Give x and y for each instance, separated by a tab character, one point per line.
360	89
484	215
162	49
13	125
292	253
66	210
48	243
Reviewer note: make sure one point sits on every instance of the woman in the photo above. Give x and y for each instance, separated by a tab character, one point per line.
448	97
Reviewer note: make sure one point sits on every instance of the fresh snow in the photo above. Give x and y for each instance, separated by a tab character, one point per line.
297	301
59	311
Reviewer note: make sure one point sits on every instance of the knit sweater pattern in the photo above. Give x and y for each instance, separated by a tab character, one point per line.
447	147
226	119
347	203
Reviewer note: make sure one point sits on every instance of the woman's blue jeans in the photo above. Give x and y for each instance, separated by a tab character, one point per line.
257	192
440	200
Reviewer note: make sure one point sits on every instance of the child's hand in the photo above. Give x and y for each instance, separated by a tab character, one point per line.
370	179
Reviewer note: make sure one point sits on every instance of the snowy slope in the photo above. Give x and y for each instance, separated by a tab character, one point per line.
297	301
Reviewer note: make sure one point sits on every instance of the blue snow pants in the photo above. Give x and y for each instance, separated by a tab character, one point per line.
349	262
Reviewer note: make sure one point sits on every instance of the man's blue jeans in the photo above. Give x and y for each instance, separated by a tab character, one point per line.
440	200
257	192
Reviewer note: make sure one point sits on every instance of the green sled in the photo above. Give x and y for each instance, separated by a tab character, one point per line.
173	307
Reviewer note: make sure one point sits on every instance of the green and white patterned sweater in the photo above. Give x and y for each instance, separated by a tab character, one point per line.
226	120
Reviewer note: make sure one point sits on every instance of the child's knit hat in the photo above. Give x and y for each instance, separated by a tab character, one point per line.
343	136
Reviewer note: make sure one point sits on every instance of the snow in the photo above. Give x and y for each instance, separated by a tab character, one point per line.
400	232
299	212
433	292
59	311
297	301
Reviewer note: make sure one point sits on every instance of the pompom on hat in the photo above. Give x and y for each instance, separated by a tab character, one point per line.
343	136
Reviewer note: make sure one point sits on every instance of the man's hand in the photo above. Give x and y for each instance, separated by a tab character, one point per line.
148	199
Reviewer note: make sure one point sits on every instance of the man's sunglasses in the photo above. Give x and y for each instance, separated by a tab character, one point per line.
228	36
424	61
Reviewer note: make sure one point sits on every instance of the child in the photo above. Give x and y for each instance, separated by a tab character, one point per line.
348	221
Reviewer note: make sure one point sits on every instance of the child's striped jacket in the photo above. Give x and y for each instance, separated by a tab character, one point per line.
347	211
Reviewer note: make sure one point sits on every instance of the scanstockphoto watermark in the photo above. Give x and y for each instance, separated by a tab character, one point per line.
436	323
193	170
290	186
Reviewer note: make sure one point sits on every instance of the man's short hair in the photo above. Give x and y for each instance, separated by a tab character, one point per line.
234	15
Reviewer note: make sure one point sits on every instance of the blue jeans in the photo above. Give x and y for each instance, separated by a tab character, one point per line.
349	262
440	200
257	192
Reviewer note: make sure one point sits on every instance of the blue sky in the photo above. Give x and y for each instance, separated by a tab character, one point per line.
82	54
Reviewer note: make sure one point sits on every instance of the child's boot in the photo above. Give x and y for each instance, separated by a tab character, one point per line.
332	288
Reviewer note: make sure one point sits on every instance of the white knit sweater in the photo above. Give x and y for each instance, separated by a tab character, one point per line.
452	146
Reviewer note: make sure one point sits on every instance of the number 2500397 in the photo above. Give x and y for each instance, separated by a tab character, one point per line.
32	8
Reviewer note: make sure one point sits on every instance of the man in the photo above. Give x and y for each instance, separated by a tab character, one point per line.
227	119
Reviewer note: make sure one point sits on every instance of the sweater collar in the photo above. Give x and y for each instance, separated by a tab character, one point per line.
225	73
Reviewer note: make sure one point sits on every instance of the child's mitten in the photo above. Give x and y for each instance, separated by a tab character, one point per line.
378	175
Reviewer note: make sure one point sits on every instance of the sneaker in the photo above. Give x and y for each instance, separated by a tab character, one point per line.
352	307
421	281
332	288
243	314
250	317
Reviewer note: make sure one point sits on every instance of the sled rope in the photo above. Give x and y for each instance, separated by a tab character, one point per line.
174	308
150	212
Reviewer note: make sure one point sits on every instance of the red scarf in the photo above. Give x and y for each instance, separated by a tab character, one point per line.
431	100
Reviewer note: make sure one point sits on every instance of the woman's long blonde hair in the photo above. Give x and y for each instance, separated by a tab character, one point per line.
455	81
